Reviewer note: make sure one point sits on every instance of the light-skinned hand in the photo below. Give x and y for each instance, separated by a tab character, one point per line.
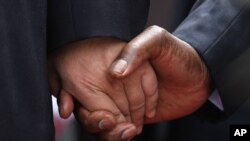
81	70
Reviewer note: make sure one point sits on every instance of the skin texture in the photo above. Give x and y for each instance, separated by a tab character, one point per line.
183	79
81	70
183	82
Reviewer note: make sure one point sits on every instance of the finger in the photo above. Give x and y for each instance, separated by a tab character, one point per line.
122	132
94	100
136	99
146	45
97	100
65	104
119	97
150	89
105	125
96	121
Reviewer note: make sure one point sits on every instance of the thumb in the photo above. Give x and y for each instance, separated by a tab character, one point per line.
146	45
65	104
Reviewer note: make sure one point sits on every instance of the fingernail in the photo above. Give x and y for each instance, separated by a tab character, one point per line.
125	136
120	66
104	124
151	114
139	130
128	134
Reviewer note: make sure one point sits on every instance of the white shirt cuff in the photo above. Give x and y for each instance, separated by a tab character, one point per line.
216	100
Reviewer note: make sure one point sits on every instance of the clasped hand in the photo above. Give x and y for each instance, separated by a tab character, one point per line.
115	87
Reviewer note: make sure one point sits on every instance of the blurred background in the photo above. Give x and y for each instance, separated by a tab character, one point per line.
167	14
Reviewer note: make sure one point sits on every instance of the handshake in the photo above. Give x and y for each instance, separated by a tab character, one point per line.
114	87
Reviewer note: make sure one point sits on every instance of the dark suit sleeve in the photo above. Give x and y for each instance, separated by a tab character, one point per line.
72	20
219	31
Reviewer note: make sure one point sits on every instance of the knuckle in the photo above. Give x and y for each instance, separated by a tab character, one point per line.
156	28
152	93
136	50
121	117
159	32
133	47
137	107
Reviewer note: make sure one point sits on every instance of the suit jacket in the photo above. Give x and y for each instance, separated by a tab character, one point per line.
219	31
25	102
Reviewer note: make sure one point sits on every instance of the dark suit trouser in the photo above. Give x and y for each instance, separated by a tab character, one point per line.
28	29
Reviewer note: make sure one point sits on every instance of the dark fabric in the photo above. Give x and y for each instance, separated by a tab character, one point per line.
79	19
219	31
25	102
191	128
